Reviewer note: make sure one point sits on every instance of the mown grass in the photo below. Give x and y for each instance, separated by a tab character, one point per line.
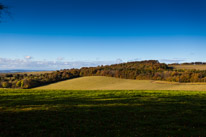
102	113
110	83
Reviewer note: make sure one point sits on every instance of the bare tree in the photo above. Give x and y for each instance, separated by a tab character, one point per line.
2	8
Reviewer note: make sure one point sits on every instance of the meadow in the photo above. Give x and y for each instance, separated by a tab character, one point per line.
101	113
110	83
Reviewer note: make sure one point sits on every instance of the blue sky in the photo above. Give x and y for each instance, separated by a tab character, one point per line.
76	33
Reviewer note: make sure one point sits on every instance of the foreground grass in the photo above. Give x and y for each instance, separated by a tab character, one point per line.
102	113
110	83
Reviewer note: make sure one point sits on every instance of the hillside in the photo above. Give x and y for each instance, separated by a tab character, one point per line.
109	83
139	70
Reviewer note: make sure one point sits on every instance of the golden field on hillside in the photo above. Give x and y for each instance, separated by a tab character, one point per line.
110	83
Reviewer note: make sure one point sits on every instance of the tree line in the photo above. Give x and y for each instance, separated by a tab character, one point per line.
146	70
27	81
141	70
190	63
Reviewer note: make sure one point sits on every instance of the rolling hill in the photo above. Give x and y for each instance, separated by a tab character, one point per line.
109	83
139	70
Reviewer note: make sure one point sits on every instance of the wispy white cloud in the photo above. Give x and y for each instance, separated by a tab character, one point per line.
135	59
60	58
28	57
174	60
119	60
6	63
29	63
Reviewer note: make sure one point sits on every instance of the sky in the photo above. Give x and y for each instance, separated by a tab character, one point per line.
59	34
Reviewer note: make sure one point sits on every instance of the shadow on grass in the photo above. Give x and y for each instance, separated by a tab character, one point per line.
103	116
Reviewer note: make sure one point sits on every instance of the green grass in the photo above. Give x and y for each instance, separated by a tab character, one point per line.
110	83
104	113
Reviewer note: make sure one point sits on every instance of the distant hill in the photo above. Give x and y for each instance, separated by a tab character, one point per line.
19	71
109	83
139	70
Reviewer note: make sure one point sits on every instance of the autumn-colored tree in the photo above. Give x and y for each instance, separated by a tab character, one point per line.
18	84
5	84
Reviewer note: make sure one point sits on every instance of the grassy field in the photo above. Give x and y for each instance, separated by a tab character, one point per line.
198	67
52	113
109	83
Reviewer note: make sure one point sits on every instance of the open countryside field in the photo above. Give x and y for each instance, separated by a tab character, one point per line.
47	113
198	67
110	83
37	72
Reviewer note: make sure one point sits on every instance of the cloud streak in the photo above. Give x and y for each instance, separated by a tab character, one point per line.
30	64
28	57
175	60
27	63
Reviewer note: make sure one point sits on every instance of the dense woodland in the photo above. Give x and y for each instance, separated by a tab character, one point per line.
142	70
190	63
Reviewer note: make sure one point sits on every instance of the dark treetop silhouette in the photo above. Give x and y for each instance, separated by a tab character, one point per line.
2	7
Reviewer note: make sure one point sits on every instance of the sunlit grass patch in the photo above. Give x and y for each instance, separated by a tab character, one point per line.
111	83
